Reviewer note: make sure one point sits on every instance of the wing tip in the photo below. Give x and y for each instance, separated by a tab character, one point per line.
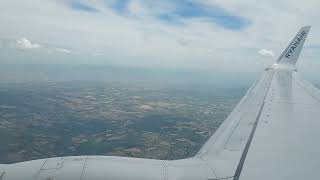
306	27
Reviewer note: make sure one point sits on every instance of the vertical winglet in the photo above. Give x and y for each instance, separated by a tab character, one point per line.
291	54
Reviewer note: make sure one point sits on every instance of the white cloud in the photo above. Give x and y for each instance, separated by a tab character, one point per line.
53	50
266	53
62	50
25	44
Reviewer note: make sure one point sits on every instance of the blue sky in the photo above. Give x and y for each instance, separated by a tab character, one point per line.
228	35
183	10
79	6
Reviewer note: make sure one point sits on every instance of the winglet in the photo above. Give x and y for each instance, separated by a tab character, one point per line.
291	54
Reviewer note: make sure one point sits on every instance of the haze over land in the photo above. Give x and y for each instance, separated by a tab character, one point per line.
125	112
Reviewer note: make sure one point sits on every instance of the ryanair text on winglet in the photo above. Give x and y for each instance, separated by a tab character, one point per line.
295	44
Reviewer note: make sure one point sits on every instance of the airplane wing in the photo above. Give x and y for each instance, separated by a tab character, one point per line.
273	133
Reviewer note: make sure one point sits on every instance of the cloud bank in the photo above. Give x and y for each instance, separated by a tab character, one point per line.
196	34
